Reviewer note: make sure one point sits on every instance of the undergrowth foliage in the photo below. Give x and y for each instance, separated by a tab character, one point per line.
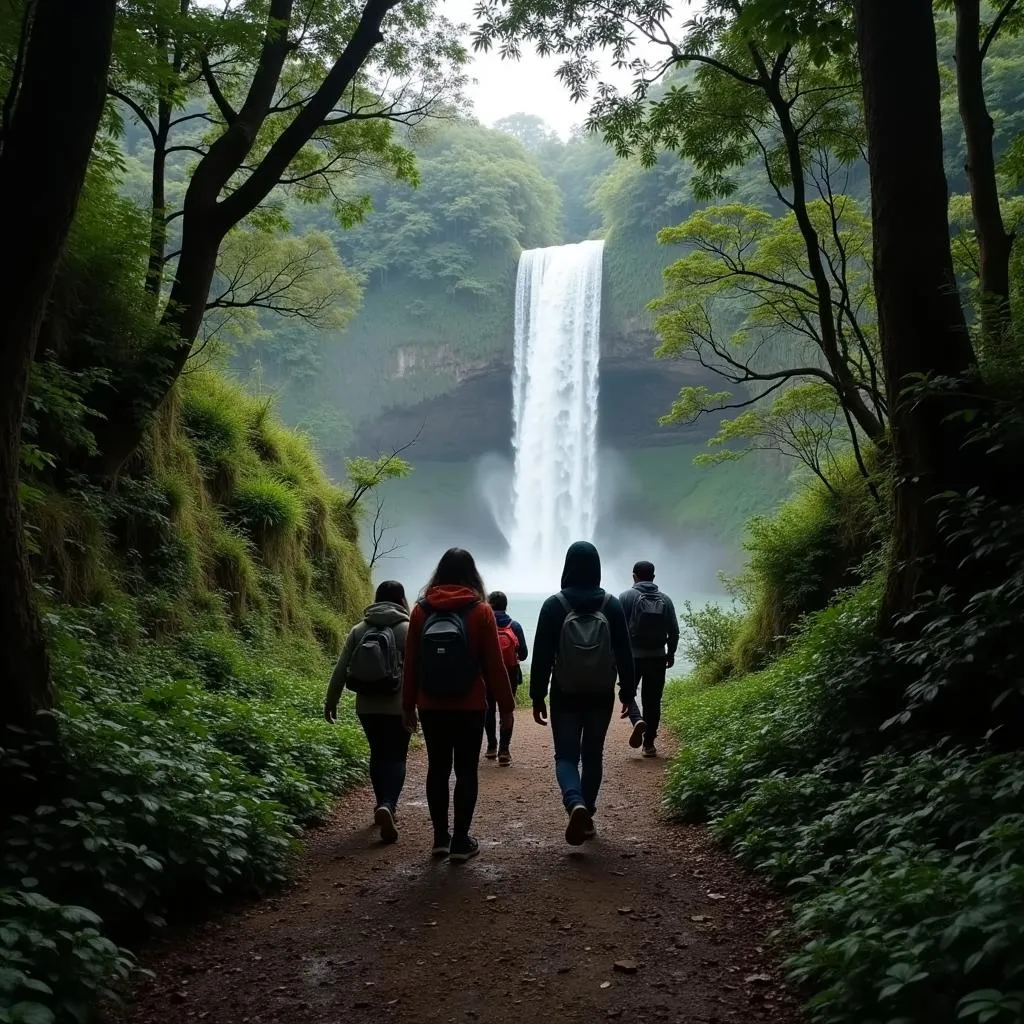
192	611
879	780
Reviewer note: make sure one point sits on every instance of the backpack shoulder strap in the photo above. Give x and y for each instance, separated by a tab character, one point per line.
425	605
564	602
604	602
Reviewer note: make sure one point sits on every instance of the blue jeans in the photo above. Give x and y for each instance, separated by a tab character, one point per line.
579	731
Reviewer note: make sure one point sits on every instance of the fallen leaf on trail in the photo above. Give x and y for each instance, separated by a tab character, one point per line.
715	896
431	924
625	910
606	984
625	966
491	899
699	917
762	978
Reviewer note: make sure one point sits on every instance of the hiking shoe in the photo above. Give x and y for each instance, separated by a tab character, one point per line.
463	847
591	831
491	753
442	845
636	737
504	758
650	751
579	824
384	819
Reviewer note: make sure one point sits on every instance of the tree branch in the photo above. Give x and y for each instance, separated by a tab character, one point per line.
997	24
216	94
136	110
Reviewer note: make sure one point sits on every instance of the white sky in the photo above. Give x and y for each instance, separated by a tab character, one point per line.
528	85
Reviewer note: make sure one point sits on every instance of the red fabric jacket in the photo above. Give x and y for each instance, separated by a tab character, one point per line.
482	632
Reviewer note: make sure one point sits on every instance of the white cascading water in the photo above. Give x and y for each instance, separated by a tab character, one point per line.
554	405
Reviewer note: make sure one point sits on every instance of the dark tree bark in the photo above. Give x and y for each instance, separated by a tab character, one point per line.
921	321
209	215
46	148
994	243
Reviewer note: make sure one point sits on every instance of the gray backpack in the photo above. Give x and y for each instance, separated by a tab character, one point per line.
375	668
585	662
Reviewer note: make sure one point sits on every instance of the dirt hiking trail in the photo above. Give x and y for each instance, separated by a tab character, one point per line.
530	931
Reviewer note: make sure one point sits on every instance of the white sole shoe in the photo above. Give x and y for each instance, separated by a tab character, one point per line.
636	737
385	821
579	825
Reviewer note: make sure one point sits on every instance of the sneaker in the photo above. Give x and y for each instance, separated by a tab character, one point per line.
463	847
650	750
442	845
504	758
636	737
384	819
491	753
579	823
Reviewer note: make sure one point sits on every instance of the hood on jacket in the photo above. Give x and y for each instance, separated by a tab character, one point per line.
385	613
582	567
503	619
449	596
646	586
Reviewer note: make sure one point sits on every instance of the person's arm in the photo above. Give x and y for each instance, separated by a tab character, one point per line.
491	665
410	668
545	644
338	676
626	599
522	652
622	650
673	629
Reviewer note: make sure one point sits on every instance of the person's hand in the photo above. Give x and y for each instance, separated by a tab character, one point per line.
624	713
540	713
330	714
670	660
410	721
507	719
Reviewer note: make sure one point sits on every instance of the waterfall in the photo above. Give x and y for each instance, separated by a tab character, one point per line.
554	404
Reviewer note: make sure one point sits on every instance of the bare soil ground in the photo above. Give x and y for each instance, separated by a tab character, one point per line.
650	920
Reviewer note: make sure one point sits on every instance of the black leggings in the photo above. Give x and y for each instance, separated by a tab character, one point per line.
453	738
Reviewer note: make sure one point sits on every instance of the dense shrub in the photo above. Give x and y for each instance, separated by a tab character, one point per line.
812	548
706	639
880	779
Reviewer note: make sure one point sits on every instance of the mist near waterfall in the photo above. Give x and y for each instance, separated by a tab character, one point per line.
519	515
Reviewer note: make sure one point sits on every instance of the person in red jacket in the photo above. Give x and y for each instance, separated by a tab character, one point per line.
452	657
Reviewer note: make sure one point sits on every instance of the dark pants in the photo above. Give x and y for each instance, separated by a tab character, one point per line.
578	730
650	680
453	739
515	677
389	748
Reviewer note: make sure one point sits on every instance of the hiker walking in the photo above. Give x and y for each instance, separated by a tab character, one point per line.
580	645
452	659
654	636
371	666
512	642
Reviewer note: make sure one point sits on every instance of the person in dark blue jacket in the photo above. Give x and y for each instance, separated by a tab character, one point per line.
508	628
579	721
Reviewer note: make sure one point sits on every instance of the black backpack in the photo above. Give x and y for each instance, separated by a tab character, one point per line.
448	667
375	668
647	625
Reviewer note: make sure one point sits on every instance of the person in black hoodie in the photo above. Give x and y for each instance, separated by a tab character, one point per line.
579	721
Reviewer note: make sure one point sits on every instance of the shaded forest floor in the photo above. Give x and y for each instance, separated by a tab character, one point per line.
531	930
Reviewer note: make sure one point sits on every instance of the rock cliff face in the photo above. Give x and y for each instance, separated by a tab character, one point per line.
474	416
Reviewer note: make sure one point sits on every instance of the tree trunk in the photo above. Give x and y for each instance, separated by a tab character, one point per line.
921	322
994	244
42	167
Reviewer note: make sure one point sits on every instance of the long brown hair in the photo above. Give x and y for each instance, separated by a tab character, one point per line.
457	568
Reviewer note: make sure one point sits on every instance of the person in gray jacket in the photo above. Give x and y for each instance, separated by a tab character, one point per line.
371	665
654	637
